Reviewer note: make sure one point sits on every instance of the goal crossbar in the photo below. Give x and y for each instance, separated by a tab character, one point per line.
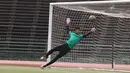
89	2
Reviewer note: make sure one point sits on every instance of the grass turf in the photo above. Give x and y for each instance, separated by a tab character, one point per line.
18	69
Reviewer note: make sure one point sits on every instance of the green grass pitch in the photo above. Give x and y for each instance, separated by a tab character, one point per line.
18	69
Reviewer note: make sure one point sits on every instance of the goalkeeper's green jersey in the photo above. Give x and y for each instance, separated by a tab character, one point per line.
74	39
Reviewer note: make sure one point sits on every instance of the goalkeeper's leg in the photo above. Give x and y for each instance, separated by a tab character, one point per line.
64	50
52	61
51	51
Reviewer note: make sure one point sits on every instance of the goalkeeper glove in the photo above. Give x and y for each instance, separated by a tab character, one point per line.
93	29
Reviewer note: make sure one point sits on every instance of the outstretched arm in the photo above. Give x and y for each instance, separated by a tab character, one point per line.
68	25
91	31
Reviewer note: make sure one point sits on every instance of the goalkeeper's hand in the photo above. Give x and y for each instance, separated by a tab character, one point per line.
93	30
67	22
67	25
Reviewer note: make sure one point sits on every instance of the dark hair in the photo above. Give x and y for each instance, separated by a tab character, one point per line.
77	28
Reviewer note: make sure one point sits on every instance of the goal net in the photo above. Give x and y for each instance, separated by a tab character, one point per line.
111	42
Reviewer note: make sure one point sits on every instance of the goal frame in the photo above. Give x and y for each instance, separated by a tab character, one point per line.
72	3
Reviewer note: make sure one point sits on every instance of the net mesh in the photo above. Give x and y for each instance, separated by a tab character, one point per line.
111	41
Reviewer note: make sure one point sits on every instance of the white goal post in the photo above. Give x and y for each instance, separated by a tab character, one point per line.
107	46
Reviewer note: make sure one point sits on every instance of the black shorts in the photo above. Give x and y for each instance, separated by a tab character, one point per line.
63	49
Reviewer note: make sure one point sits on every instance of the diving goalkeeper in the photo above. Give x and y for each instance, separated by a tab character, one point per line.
75	38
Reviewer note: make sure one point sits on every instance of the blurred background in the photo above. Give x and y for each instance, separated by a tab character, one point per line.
24	28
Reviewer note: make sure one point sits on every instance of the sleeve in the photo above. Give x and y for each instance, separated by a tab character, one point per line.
81	36
67	29
70	32
87	34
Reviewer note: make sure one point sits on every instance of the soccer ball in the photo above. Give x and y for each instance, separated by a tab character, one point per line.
92	17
